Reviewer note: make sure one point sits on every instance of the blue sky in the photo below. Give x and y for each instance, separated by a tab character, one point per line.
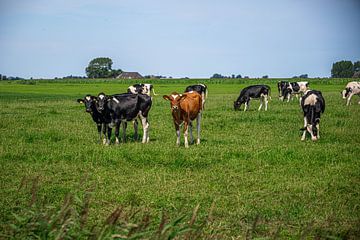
178	38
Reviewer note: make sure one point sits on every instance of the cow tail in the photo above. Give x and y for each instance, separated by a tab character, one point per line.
312	110
154	92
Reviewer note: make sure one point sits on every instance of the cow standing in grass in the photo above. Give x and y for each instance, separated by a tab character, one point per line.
201	89
261	92
127	107
351	89
184	109
289	89
101	119
313	105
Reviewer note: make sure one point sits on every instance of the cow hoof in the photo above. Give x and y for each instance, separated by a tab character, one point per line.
314	138
302	139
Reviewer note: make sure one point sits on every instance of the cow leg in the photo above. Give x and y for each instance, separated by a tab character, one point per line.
117	131
145	125
198	120
177	128
104	131
246	105
191	133
266	102
261	103
348	100
288	97
135	124
98	125
124	126
310	130
109	130
186	128
304	132
318	130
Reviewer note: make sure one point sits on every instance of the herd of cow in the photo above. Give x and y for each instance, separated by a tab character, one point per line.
109	111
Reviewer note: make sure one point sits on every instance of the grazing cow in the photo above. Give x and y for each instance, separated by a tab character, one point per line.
185	108
201	89
313	105
288	89
101	119
127	107
352	88
261	92
143	88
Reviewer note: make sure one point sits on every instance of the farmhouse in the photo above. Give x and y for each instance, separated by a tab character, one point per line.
130	75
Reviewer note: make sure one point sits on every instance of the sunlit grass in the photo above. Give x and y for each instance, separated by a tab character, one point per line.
252	165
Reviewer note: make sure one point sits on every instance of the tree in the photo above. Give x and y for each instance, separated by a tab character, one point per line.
101	68
217	75
342	69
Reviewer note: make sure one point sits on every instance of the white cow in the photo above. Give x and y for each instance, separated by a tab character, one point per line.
143	88
352	88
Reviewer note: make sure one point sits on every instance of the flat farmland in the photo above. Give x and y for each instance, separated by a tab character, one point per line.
251	171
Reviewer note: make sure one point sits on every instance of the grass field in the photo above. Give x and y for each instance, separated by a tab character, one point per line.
251	168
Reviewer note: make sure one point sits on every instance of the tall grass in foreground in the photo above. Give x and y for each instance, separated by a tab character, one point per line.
70	221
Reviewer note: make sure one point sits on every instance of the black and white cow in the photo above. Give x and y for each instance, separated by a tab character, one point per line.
351	89
127	107
142	88
289	89
313	105
261	92
202	89
101	119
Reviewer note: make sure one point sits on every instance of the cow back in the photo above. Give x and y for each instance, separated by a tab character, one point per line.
191	105
124	106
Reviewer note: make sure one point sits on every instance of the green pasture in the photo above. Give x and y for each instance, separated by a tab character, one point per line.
250	166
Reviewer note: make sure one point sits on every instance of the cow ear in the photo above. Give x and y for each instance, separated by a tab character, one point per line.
166	97
80	100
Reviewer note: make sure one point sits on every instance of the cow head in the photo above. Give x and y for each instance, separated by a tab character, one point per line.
145	90
345	93
238	102
102	99
89	102
237	105
174	99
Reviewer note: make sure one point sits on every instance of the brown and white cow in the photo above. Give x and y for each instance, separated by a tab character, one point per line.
352	88
185	108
